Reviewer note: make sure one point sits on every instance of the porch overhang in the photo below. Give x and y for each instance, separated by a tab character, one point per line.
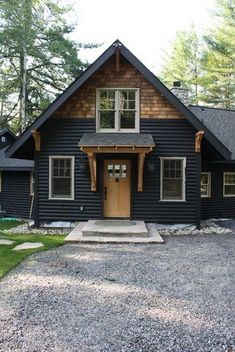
113	143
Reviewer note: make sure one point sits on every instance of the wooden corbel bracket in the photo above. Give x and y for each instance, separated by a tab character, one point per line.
198	141
37	140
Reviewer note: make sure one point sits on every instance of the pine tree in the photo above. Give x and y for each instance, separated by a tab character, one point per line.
219	58
38	59
183	63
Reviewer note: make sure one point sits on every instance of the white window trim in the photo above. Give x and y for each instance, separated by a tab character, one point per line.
51	157
116	129
183	181
209	179
227	195
31	192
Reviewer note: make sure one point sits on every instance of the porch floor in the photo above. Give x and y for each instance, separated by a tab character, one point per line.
114	231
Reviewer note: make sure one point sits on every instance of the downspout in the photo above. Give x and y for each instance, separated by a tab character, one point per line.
198	212
37	142
36	190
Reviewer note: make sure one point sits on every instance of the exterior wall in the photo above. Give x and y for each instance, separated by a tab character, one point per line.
83	103
172	137
217	206
15	197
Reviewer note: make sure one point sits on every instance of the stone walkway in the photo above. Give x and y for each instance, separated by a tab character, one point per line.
28	245
19	247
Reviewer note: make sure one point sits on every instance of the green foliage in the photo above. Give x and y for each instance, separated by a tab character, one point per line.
219	58
183	62
38	60
206	66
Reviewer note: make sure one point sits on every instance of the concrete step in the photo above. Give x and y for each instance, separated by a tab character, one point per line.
115	228
76	236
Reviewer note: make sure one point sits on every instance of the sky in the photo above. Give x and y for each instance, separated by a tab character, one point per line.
145	27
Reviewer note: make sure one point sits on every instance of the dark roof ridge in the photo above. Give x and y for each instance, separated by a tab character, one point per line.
210	107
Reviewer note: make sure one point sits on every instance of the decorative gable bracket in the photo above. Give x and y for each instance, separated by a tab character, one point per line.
198	141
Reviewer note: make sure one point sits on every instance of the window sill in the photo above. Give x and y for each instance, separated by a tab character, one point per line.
172	200
51	198
119	131
228	195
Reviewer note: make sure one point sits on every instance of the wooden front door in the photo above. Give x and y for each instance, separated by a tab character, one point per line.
117	176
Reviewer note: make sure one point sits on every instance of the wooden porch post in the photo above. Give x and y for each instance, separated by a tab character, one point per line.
92	164
141	157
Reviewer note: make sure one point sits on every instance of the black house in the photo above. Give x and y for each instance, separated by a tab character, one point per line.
118	144
16	181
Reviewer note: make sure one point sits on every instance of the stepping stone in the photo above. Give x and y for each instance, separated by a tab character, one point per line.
6	242
28	245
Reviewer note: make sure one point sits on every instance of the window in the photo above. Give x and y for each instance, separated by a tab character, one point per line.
31	183
205	184
117	171
173	179
3	139
61	178
117	110
229	184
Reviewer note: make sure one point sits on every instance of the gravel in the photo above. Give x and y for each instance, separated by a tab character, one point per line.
24	228
177	296
211	226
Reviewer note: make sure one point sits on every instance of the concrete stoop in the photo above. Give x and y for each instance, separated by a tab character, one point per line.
114	231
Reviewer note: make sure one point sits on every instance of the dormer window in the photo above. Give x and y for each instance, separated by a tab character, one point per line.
117	110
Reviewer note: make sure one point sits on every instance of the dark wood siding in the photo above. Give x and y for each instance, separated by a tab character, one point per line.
15	197
217	206
61	137
172	138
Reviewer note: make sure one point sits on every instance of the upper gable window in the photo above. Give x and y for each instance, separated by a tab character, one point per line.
117	110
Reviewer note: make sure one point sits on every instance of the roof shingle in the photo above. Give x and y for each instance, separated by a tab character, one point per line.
220	122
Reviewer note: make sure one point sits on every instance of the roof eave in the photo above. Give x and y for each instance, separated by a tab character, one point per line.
12	168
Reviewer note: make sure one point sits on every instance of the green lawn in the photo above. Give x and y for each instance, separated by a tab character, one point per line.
10	259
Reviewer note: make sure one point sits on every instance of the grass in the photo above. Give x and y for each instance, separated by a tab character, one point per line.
10	259
5	225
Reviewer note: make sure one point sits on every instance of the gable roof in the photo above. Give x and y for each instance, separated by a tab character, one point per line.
11	164
196	123
221	122
7	130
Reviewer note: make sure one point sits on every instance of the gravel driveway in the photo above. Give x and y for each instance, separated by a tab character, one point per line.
178	296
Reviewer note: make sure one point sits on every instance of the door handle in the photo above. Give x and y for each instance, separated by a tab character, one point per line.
105	193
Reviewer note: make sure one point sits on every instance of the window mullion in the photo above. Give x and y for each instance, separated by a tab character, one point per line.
117	105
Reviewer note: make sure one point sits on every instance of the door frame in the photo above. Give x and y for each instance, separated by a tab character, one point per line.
117	157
